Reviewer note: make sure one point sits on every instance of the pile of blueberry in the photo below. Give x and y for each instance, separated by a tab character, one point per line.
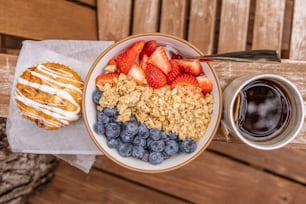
134	139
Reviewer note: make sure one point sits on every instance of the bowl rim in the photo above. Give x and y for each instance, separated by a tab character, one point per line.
84	114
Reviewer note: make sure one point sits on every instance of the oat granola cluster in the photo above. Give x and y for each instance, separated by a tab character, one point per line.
183	110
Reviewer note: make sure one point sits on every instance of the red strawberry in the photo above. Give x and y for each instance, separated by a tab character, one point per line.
185	80
189	66
155	77
127	59
205	84
174	72
159	58
138	74
148	48
112	62
106	78
144	62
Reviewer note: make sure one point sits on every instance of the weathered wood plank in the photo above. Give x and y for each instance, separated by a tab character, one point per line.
92	3
7	70
233	25
285	161
215	179
146	16
47	19
287	28
268	24
73	186
173	17
298	33
113	19
202	24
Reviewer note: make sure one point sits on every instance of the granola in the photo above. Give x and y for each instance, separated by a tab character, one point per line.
182	110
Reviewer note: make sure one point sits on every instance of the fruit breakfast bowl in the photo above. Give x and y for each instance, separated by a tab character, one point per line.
148	109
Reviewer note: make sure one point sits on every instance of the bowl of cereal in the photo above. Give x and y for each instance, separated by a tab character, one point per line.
148	109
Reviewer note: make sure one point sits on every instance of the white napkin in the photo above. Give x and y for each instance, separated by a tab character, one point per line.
71	143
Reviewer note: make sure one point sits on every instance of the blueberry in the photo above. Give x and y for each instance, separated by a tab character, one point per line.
126	136
188	146
102	118
149	141
173	136
164	136
155	134
138	152
156	158
96	95
171	147
145	156
113	143
131	127
112	130
139	141
157	146
110	112
143	131
99	129
165	155
125	149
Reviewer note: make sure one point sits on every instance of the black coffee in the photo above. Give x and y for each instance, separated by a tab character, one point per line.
264	110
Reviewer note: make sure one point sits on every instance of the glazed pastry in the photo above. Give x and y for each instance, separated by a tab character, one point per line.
49	94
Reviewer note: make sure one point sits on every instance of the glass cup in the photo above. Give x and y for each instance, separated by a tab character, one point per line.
232	111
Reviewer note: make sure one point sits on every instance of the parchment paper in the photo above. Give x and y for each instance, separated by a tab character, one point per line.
71	143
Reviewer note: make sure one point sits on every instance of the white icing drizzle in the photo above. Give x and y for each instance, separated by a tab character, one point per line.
50	90
61	115
44	77
57	74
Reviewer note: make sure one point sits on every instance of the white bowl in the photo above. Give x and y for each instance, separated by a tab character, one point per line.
89	109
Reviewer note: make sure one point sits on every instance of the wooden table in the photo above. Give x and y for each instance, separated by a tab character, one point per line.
227	71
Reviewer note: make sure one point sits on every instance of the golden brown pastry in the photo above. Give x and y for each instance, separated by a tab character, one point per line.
49	94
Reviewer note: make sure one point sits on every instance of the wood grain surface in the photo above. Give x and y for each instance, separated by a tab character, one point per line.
173	17
113	19
298	33
215	179
202	24
285	162
39	20
146	16
233	25
70	185
268	24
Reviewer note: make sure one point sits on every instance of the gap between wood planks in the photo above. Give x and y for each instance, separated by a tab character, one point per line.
260	168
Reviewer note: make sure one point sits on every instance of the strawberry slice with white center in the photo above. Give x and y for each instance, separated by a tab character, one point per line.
159	59
205	84
138	74
189	66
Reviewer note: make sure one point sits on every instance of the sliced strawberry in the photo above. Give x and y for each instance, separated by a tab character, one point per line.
205	84
138	74
175	55
148	48
185	80
155	77
174	72
112	62
189	66
106	78
159	58
127	59
144	62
